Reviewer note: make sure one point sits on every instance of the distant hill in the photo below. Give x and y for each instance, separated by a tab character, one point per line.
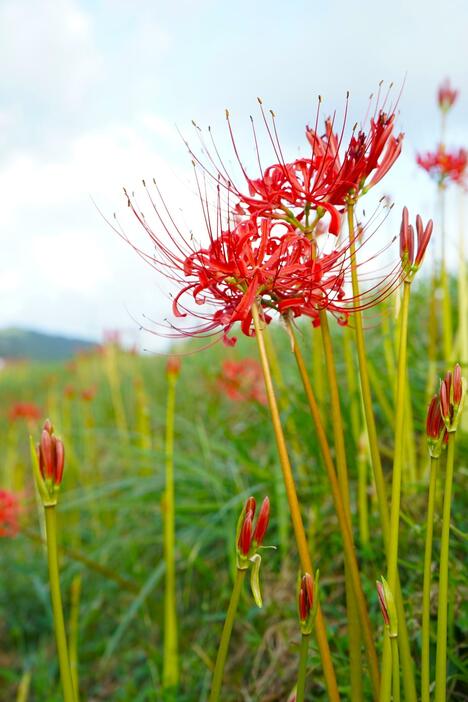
33	345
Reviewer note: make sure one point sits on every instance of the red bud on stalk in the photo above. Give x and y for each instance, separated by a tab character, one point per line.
451	397
249	540
411	259
49	461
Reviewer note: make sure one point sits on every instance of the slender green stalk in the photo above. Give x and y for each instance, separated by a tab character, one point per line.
301	676
426	599
395	670
403	638
399	442
56	598
386	672
22	694
296	517
363	509
354	632
441	655
226	636
171	658
349	551
73	632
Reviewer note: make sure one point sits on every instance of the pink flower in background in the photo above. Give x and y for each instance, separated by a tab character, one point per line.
9	514
242	381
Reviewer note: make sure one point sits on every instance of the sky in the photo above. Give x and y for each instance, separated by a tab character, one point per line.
94	95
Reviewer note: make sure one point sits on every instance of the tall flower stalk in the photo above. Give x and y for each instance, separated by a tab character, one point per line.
48	464
248	541
390	688
435	430
344	523
452	394
171	653
296	516
307	605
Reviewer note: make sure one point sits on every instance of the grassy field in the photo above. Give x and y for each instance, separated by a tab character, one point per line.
111	507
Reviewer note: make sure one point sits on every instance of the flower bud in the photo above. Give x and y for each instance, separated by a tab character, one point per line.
262	522
435	428
48	461
387	606
173	366
308	602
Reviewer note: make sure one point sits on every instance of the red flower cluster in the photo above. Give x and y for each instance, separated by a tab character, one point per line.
9	514
24	410
265	240
444	410
443	165
242	381
446	95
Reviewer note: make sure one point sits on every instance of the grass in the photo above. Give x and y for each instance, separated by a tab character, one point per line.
110	512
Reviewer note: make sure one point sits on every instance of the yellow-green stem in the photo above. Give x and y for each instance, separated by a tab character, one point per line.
56	599
301	675
226	636
444	281
399	442
171	662
403	638
386	674
22	694
350	554
395	670
354	632
73	632
426	598
296	517
441	654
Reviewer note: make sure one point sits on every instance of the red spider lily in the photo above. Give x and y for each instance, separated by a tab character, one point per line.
387	606
411	255
443	165
51	457
320	182
243	381
249	539
24	410
9	514
446	95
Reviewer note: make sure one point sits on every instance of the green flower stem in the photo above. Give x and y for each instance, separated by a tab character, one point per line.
386	676
426	599
226	636
403	638
294	507
354	632
171	662
399	442
395	670
350	554
73	632
441	655
56	598
301	676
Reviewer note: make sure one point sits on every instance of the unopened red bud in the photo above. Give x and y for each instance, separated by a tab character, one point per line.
434	421
444	397
48	426
250	506
457	385
303	605
47	453
245	536
262	522
59	461
382	602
